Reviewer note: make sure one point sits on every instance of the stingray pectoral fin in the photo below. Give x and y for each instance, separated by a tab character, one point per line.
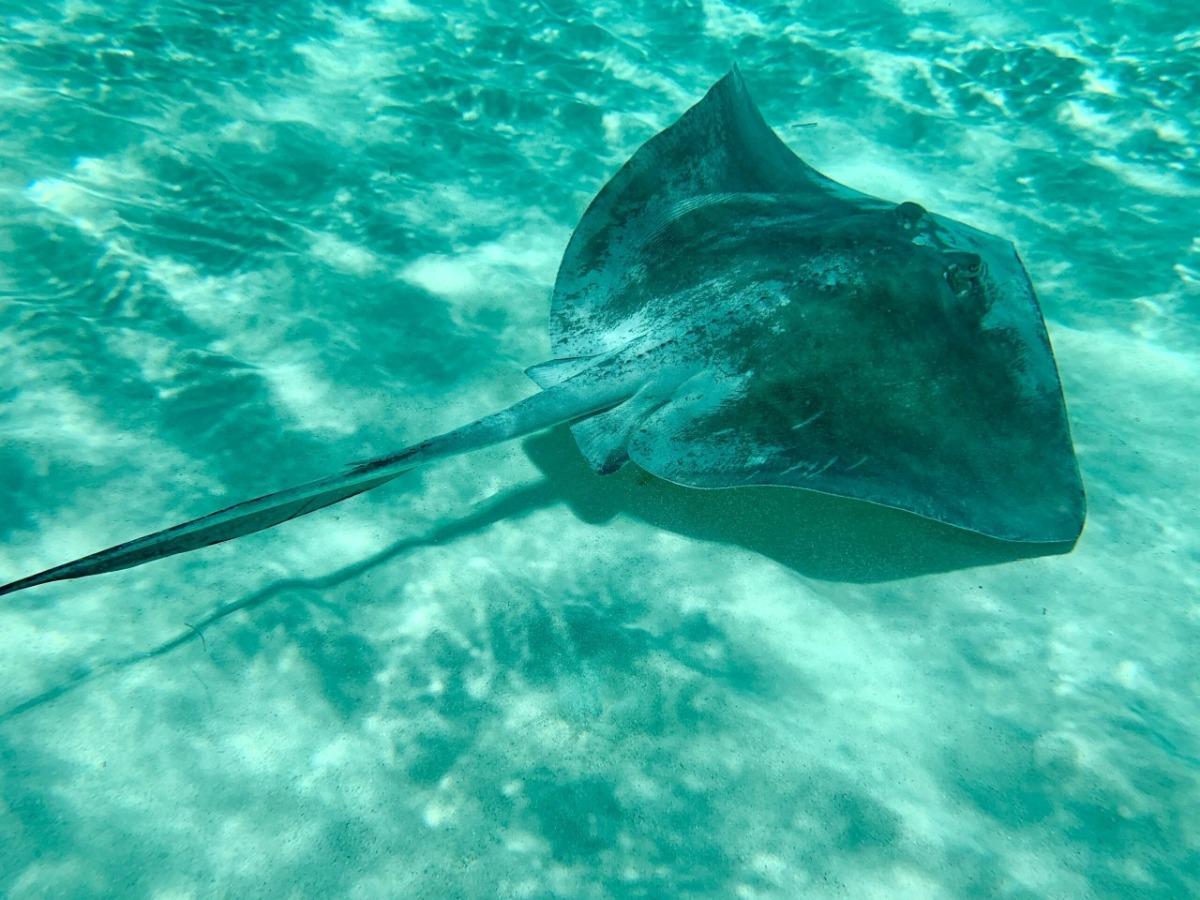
1005	473
565	402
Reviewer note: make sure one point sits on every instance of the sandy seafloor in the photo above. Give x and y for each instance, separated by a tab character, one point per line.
244	243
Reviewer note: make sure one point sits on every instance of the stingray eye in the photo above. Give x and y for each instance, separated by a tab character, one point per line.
909	215
963	271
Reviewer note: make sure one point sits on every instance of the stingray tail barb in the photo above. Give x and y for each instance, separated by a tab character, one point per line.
569	400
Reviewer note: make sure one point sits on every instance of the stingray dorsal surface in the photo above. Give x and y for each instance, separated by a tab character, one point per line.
822	338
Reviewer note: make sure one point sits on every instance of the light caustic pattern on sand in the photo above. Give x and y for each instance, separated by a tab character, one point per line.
244	243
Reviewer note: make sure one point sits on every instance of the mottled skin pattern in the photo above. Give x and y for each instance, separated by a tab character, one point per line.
803	334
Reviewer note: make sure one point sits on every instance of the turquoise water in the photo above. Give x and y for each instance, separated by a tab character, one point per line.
244	243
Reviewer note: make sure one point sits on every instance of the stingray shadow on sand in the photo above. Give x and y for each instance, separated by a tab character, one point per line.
816	535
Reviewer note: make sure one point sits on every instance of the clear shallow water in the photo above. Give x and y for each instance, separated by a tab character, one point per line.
243	246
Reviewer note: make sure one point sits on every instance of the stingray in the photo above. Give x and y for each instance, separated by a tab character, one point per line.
725	315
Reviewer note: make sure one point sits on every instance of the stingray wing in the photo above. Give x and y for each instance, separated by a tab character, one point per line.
721	146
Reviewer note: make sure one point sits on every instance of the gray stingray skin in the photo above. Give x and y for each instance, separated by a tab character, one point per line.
726	315
804	334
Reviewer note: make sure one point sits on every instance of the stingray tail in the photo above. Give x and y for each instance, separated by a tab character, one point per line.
561	403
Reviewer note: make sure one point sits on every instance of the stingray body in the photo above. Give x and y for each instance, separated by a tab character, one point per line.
725	315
